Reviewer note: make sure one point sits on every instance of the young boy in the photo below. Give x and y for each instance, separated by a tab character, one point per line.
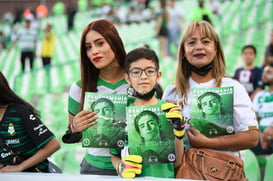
142	75
249	75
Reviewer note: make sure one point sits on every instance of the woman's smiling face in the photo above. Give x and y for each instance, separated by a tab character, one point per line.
199	49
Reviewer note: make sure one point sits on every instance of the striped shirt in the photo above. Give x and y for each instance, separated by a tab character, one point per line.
27	39
24	133
98	157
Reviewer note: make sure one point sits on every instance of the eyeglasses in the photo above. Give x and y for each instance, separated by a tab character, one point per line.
137	72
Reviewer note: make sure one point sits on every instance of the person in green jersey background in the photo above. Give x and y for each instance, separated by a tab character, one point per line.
142	74
202	12
22	131
102	70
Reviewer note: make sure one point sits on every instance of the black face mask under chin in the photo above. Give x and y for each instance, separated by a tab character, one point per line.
131	91
200	71
268	83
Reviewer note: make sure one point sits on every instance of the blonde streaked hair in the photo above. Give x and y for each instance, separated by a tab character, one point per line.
183	72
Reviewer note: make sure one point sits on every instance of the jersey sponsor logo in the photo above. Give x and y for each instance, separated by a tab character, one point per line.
32	117
13	141
38	127
4	155
41	129
11	130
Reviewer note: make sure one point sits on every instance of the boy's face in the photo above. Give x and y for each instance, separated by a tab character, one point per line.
143	83
248	56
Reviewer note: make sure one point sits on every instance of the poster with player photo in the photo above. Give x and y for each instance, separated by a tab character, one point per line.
150	134
109	130
211	110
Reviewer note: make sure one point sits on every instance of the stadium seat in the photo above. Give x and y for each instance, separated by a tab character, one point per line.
69	158
261	160
58	8
252	170
83	5
268	173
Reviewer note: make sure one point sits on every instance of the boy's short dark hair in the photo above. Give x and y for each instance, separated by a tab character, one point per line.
139	53
249	46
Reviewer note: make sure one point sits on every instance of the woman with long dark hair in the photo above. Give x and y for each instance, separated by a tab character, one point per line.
23	133
102	70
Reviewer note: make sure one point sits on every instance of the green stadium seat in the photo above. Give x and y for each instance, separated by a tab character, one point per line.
97	3
69	158
261	160
82	5
251	166
268	173
58	8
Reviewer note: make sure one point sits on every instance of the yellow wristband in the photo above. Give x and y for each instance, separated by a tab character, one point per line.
179	133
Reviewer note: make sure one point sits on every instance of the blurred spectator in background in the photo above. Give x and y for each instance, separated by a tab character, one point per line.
145	3
202	12
133	15
249	75
26	38
32	16
112	16
48	45
262	104
161	28
215	7
2	40
8	17
175	22
71	12
41	11
104	9
269	51
18	15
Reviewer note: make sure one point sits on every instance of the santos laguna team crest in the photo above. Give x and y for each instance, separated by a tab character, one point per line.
11	130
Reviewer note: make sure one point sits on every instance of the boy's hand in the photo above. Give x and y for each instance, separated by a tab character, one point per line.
175	115
130	166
